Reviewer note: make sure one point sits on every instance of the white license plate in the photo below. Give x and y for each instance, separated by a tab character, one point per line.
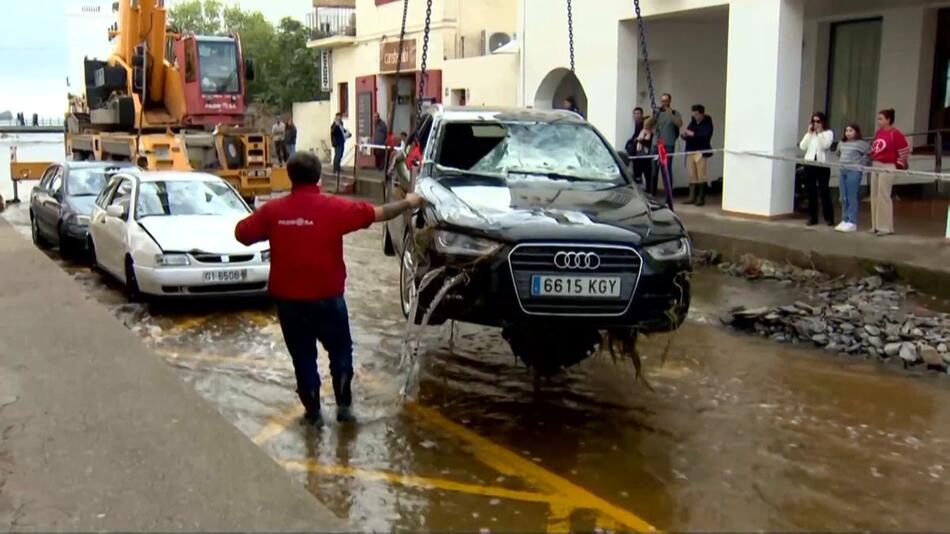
226	276
575	286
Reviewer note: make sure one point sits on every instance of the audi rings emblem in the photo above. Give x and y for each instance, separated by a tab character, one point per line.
589	261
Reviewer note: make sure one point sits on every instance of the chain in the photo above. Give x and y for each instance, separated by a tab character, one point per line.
423	72
394	97
570	31
646	57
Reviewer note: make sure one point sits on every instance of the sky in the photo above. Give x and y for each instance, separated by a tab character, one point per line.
33	50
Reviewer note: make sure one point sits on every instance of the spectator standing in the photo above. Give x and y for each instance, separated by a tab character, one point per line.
338	137
668	124
290	137
380	135
889	151
698	135
277	133
639	166
646	146
570	104
852	150
816	143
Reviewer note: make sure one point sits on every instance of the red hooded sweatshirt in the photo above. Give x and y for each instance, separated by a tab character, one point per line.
890	146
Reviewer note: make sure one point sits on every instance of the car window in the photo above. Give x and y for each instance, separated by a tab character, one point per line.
123	196
87	182
56	182
188	197
106	193
530	150
47	176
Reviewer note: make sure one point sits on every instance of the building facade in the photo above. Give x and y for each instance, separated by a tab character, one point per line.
760	67
472	60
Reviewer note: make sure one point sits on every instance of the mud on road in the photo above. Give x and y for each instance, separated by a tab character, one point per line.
733	433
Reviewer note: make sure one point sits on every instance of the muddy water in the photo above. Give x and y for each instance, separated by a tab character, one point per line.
732	433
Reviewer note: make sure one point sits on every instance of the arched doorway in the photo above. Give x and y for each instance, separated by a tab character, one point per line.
559	84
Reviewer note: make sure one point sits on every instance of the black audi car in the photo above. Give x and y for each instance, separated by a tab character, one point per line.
535	222
60	205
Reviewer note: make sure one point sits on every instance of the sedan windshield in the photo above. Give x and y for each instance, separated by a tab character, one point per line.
530	150
219	67
87	182
192	197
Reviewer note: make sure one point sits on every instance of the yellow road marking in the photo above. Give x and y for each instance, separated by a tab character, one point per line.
277	424
505	461
414	481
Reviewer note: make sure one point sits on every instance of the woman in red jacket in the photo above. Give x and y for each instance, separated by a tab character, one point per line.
889	151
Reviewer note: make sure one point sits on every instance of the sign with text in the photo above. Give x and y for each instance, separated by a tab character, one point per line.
326	81
389	51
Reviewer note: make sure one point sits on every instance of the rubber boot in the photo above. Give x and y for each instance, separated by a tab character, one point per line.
701	194
692	194
343	392
311	405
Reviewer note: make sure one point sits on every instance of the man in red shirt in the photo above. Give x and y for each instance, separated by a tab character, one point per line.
307	275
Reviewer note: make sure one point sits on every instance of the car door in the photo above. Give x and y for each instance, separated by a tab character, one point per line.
38	194
400	186
111	232
49	205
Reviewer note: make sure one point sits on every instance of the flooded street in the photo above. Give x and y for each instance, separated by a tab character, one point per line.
731	432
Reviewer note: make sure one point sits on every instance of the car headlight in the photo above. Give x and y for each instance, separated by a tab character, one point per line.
171	260
265	256
78	220
463	245
669	250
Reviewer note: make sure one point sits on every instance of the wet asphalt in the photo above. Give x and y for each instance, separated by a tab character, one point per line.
728	432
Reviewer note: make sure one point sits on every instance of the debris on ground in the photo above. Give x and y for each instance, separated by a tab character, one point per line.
867	317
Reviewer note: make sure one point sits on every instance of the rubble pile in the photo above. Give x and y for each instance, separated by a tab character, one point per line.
868	317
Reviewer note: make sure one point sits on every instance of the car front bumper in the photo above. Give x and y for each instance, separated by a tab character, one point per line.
190	280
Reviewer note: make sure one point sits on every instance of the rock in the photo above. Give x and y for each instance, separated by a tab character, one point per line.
843	308
872	282
846	327
820	339
875	341
930	356
872	330
942	348
916	332
905	329
873	352
908	352
805	307
886	272
892	349
892	330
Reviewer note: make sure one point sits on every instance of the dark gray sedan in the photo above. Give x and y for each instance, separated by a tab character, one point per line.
60	205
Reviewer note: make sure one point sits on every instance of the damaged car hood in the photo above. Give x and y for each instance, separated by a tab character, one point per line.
519	209
198	233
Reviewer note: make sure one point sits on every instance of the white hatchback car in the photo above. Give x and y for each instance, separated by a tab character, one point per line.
172	234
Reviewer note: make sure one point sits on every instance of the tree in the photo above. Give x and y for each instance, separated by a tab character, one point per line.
200	16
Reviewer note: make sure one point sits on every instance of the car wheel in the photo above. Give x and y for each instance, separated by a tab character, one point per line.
388	248
407	280
38	238
131	283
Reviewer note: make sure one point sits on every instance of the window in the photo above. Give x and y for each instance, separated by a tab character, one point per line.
853	74
106	193
123	197
218	64
87	182
47	176
190	70
343	93
57	182
191	197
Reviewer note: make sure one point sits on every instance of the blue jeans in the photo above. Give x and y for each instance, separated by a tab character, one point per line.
303	323
850	188
291	149
337	158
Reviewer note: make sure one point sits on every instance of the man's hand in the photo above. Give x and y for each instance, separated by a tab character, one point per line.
397	208
415	200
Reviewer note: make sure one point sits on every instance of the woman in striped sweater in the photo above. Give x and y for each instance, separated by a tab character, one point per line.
852	150
888	152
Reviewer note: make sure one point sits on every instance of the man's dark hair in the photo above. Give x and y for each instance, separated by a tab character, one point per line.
888	114
571	101
338	115
304	169
822	118
700	108
667	95
638	108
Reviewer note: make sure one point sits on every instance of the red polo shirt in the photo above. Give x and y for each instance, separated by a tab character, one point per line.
306	230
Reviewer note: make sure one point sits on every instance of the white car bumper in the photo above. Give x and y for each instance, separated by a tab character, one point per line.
192	280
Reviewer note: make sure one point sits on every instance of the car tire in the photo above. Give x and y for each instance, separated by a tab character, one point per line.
38	238
132	291
405	275
388	248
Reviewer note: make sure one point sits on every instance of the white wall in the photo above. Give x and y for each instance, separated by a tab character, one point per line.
490	80
313	126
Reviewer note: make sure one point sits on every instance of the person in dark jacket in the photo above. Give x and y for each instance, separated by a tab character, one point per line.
338	136
638	166
307	275
380	136
698	135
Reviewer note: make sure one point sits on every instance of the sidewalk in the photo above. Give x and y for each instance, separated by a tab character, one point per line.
923	262
96	433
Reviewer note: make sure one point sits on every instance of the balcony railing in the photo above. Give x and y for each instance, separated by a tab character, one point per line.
332	21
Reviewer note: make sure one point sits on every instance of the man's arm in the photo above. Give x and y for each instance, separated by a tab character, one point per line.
394	209
253	228
677	119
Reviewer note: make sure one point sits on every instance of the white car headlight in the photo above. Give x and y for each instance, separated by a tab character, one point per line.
77	219
171	260
463	245
669	250
265	256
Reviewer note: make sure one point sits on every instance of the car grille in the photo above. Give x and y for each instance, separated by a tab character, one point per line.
223	258
529	260
216	288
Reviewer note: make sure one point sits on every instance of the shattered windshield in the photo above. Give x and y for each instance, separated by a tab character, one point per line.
192	197
530	151
218	64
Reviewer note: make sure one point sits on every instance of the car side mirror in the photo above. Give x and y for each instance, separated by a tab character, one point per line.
116	211
58	195
249	69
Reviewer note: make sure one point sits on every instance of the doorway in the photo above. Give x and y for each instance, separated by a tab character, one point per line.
853	74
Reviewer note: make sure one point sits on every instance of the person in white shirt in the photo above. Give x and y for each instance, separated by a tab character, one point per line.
816	143
277	133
